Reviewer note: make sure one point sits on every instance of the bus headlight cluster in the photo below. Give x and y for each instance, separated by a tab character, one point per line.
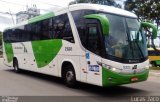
147	67
117	70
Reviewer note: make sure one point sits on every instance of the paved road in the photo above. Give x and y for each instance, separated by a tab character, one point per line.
33	84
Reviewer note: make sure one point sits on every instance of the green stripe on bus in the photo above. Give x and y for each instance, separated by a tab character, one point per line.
154	28
41	17
9	51
103	20
45	51
110	78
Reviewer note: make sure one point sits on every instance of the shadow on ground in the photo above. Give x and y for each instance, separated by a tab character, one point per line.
109	92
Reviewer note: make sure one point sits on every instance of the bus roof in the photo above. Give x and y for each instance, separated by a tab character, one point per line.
105	8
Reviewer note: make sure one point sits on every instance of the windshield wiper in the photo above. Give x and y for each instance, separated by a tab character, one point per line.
136	41
139	49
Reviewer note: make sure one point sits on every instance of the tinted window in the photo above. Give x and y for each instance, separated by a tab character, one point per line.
88	30
93	39
6	35
53	28
80	23
62	28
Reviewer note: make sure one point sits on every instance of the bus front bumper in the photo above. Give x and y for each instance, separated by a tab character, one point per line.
110	78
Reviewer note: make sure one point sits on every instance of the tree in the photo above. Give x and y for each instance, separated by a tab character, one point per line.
146	10
103	2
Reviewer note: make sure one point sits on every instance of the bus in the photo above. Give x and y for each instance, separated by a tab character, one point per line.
154	57
89	43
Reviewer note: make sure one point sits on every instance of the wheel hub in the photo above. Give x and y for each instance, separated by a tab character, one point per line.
69	76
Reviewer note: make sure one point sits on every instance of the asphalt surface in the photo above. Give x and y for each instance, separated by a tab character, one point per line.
34	84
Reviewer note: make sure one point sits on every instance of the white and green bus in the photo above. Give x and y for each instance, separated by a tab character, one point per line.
90	43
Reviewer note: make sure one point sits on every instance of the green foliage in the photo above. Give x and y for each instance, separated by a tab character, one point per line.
146	10
103	2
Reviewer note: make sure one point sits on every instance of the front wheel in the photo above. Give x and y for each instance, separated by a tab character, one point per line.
16	66
69	77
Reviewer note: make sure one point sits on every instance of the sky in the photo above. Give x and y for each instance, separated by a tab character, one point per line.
18	5
14	6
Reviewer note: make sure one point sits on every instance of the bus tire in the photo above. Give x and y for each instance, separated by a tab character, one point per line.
69	76
153	63
15	65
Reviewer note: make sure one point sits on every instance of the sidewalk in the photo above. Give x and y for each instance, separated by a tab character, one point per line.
154	73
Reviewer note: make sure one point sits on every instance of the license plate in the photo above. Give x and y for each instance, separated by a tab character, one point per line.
134	79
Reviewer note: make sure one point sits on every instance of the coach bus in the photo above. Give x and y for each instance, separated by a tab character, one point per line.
90	43
154	57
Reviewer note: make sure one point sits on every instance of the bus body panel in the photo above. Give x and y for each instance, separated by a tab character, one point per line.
126	73
94	71
69	53
6	54
27	60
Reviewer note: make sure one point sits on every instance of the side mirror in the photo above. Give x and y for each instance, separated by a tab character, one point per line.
103	20
150	25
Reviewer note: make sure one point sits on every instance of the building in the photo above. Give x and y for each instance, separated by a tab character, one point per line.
29	13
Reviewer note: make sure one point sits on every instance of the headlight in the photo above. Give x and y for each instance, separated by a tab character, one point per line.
147	67
117	70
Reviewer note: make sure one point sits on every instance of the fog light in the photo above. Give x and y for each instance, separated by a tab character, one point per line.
110	79
114	69
147	67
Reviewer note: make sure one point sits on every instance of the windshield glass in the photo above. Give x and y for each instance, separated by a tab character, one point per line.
137	40
126	40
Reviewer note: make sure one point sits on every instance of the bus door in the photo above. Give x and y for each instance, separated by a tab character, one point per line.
93	53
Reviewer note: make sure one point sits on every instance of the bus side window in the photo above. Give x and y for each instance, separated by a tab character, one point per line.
45	30
62	28
93	40
6	37
68	33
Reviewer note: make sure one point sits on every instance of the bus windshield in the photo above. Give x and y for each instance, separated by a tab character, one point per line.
126	40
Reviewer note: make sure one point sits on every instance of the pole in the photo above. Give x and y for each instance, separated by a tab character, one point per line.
11	17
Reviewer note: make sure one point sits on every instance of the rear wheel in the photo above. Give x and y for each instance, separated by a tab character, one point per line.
69	76
16	66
